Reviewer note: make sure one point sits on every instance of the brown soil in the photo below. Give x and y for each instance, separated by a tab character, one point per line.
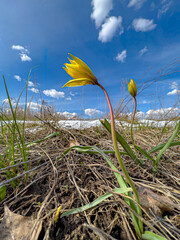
77	179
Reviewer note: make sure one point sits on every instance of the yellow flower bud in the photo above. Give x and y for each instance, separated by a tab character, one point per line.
132	88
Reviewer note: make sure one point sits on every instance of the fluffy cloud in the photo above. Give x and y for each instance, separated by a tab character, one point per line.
136	3
22	53
121	56
143	25
53	93
67	114
143	51
110	28
17	77
24	57
6	102
35	90
101	9
175	89
34	106
174	85
30	84
19	48
165	7
174	92
163	113
91	112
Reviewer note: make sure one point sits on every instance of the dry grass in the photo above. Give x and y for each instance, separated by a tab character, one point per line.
78	179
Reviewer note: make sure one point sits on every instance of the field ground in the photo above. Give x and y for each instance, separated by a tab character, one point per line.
77	179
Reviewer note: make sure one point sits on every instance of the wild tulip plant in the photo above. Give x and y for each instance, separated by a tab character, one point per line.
82	75
133	91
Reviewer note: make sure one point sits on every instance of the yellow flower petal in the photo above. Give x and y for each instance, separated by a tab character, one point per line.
79	82
80	62
57	214
80	71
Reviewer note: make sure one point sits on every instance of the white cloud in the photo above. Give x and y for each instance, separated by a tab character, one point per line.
23	53
53	93
143	51
6	101
24	57
67	114
174	85
109	28
30	84
175	89
19	48
92	111
163	113
35	90
72	94
165	7
34	106
136	3
101	9
68	98
121	56
174	92
143	25
17	77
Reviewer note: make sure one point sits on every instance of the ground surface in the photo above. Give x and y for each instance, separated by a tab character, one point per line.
77	179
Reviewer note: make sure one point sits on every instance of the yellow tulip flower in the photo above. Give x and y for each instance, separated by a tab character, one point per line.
80	71
132	88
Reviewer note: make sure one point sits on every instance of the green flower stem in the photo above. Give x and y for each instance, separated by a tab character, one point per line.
119	157
132	121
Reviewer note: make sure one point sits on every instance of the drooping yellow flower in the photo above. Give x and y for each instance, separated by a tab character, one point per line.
132	88
80	71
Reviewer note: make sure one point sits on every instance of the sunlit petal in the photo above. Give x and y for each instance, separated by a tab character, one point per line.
79	82
80	71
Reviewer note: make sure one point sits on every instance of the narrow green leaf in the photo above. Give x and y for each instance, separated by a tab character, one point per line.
121	140
2	193
160	146
41	140
147	235
145	153
96	202
177	128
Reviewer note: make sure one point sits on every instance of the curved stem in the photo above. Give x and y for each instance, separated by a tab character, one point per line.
132	121
113	132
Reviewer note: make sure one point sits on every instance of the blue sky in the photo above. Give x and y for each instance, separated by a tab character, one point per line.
118	39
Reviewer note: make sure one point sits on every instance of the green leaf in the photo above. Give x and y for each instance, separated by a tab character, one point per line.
177	128
2	193
160	146
41	140
145	153
121	140
147	235
96	202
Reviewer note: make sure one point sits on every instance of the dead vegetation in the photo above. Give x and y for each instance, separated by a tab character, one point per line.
77	179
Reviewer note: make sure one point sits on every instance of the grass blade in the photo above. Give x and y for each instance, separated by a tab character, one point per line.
121	140
177	129
96	202
145	154
160	146
147	235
